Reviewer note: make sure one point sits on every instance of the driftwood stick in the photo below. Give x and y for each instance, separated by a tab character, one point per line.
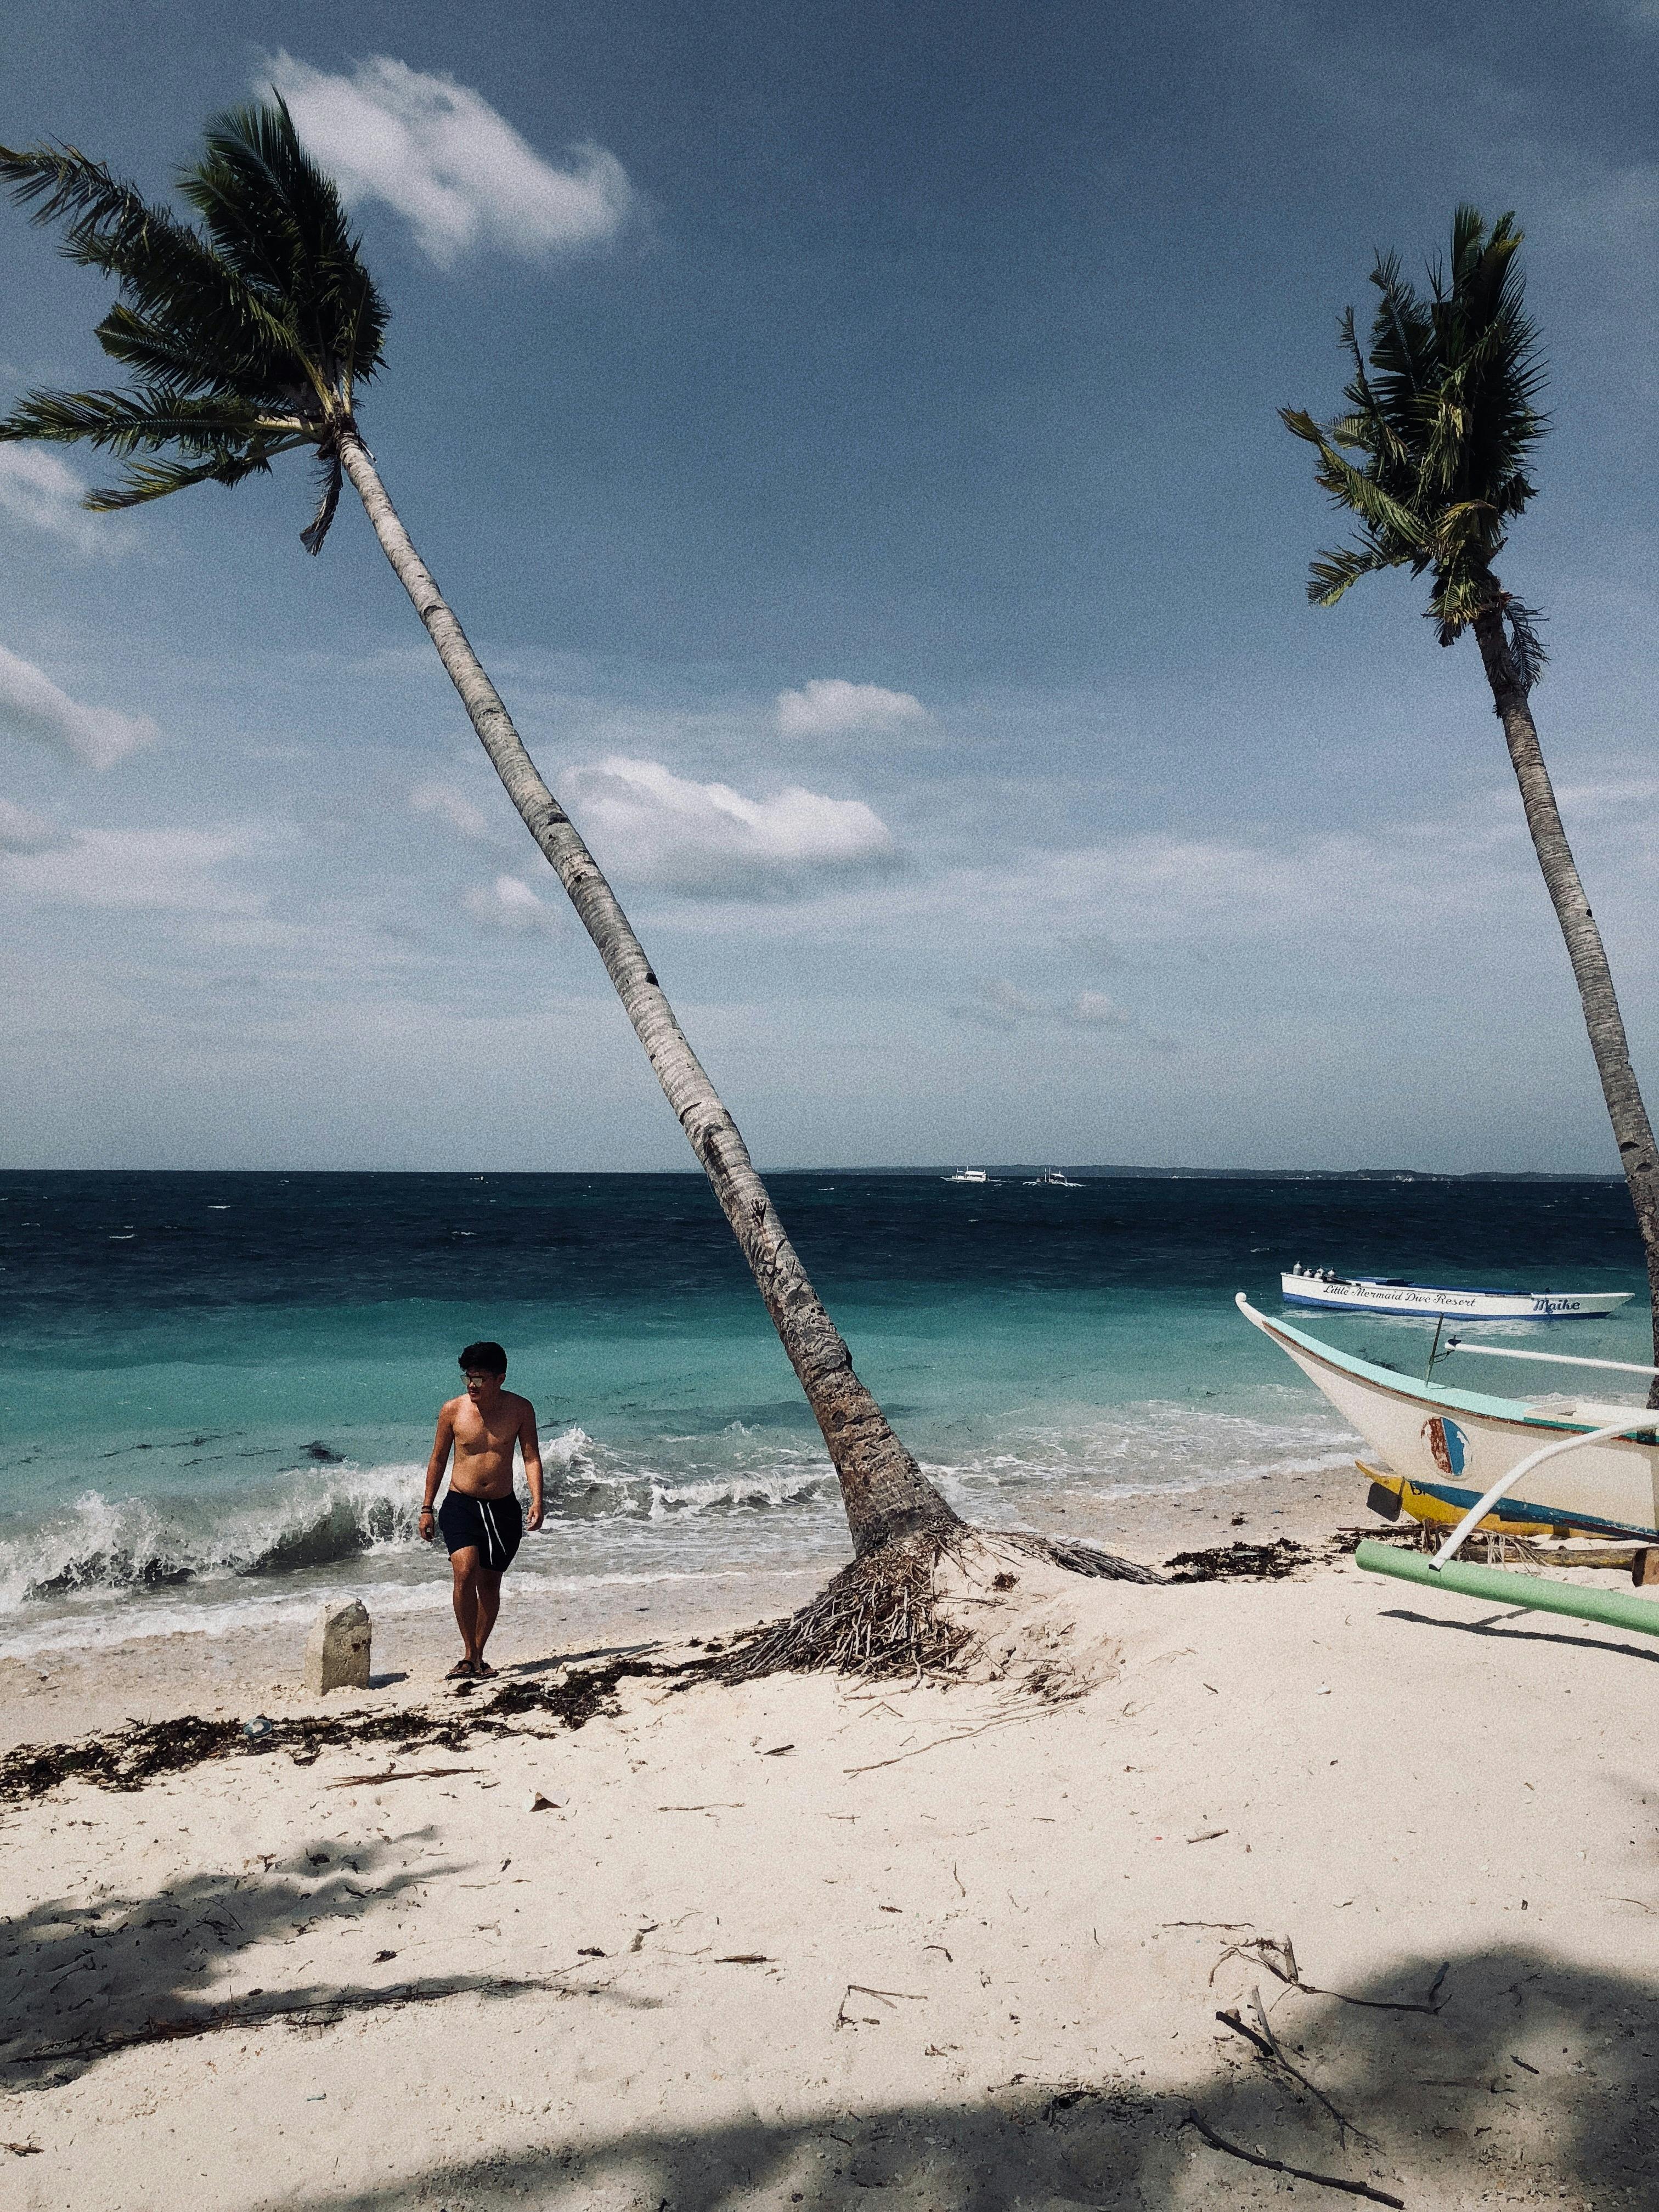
1269	2049
1232	2020
844	2019
398	1774
1279	1959
961	1736
1298	2172
1345	2126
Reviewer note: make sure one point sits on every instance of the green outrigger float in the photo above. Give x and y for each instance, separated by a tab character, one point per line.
1503	1586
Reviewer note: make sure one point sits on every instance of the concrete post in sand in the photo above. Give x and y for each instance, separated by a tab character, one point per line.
336	1649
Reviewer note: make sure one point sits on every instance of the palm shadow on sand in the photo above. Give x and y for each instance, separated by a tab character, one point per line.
1533	2078
81	1982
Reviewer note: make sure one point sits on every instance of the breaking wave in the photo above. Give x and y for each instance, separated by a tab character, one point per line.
110	1546
720	1494
133	1544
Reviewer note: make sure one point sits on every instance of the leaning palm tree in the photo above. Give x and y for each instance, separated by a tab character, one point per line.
1432	456
251	337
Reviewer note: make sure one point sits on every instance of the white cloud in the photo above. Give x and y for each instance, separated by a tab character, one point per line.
453	806
38	487
23	832
439	154
1611	800
165	870
32	706
709	841
1213	896
831	706
998	1004
1002	1006
1098	949
511	905
1093	1010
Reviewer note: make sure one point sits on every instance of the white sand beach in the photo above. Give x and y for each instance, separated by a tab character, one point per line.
814	1938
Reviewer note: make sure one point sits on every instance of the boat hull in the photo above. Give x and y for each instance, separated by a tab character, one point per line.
1436	1504
1359	1295
1455	1444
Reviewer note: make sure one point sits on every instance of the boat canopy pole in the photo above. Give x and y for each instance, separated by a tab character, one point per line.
1434	1349
1501	1489
1555	1358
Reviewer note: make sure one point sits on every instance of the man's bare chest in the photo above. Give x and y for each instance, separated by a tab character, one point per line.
478	1437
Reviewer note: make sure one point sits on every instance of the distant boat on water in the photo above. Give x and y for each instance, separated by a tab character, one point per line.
1305	1286
1055	1179
968	1175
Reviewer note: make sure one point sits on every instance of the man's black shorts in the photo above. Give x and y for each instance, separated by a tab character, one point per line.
495	1525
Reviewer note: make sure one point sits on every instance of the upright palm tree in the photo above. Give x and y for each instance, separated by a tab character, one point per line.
1432	457
250	338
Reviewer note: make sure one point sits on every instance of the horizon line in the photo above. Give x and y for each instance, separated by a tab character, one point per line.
1100	1169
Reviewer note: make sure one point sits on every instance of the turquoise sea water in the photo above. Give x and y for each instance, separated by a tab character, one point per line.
216	1391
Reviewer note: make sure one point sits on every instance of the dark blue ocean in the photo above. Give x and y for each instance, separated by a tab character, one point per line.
216	1391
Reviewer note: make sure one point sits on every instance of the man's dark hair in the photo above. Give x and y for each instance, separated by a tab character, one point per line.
487	1357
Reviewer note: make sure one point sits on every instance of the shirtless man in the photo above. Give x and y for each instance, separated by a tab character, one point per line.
480	1518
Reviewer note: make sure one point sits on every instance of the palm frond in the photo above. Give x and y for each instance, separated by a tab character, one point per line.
1526	646
1331	574
1361	490
1301	424
245	338
330	482
278	220
1460	596
1432	452
130	422
147	480
189	360
160	262
56	182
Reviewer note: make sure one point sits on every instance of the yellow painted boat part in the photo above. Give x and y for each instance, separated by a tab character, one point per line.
1424	1505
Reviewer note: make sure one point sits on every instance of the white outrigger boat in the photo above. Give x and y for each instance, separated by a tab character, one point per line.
1317	1286
1051	1179
968	1175
1505	1465
1551	1463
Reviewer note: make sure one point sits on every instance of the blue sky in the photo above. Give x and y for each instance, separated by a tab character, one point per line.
848	434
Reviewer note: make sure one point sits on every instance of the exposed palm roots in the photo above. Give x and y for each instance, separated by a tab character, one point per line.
882	1616
1079	1558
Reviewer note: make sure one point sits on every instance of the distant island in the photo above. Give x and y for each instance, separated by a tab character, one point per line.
1285	1175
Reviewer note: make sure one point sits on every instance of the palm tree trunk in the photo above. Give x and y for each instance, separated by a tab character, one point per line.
883	1490
1631	1130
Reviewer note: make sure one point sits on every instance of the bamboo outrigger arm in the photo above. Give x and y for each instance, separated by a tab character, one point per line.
1497	1586
1544	1358
1505	1483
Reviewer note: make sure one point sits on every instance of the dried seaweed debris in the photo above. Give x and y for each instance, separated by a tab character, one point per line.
1225	1562
125	1758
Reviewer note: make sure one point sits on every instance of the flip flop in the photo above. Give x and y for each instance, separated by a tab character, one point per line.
484	1671
464	1670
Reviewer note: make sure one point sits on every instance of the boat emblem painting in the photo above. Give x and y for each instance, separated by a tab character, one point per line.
1447	1442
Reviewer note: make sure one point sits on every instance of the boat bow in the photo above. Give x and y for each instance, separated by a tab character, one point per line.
1454	1445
